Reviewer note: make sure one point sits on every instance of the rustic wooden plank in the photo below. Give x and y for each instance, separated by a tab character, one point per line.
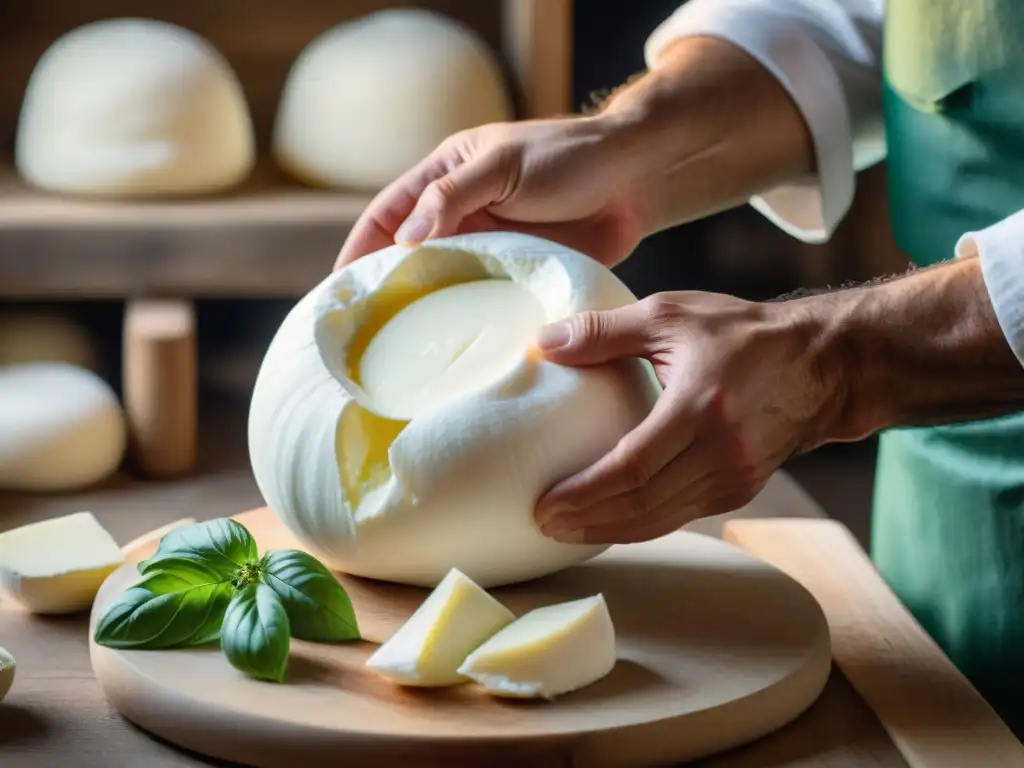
932	713
267	239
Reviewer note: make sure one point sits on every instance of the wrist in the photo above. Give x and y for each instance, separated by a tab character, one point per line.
704	130
826	368
922	349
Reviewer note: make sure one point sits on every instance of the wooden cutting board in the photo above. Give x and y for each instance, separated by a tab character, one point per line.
715	649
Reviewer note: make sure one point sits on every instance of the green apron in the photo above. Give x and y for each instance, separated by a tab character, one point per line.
948	529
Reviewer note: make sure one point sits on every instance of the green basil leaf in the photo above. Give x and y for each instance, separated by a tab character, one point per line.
255	633
222	545
178	573
318	607
147	620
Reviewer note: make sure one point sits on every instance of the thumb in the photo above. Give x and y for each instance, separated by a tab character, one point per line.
448	200
591	338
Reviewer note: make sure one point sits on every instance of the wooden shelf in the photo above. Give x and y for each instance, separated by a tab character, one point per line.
270	238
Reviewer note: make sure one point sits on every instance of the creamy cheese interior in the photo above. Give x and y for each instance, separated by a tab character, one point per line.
447	343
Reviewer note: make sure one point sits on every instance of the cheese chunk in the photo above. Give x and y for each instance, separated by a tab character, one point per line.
369	98
449	342
57	565
62	428
7	667
427	650
134	107
547	652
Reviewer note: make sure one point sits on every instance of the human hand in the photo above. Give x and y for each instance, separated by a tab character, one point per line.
705	128
746	385
556	179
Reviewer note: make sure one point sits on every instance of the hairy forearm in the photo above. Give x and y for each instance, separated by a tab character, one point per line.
704	130
923	349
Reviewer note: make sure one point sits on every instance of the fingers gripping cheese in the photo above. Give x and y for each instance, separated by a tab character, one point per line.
400	428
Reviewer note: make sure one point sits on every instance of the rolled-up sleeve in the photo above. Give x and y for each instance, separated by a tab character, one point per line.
827	56
1000	250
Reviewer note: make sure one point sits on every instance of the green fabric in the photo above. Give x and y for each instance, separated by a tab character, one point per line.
948	528
934	46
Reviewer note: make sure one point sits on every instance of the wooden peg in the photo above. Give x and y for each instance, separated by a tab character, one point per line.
537	41
160	385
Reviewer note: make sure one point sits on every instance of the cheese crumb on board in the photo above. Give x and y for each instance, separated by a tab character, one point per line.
57	565
427	650
547	652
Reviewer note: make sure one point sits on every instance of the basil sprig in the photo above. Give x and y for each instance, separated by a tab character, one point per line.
206	583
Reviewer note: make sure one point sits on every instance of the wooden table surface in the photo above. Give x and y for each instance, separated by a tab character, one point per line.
56	715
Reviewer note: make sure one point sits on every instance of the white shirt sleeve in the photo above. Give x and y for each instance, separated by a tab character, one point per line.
1000	250
826	54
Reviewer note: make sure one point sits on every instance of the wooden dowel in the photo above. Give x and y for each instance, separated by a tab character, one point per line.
160	386
537	41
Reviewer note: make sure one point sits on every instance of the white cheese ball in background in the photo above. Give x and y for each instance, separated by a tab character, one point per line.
134	108
400	425
33	336
62	428
368	99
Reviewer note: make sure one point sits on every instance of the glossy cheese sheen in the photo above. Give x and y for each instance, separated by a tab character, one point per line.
547	652
457	617
57	565
448	343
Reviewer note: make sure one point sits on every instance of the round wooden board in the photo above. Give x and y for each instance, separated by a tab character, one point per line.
715	649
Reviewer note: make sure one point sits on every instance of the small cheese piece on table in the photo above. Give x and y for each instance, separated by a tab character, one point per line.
447	343
547	652
427	650
7	667
57	565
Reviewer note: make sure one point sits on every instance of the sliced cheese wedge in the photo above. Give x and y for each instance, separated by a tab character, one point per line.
57	565
7	667
427	650
547	652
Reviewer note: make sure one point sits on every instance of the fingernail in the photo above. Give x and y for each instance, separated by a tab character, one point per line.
569	537
414	230
554	335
